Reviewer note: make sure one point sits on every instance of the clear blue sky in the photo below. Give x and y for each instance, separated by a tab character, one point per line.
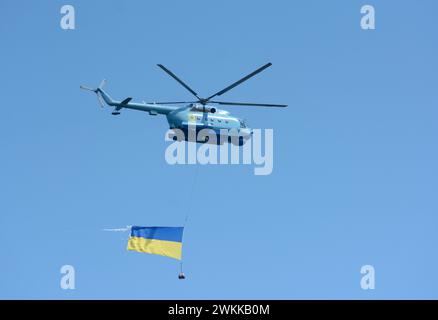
355	162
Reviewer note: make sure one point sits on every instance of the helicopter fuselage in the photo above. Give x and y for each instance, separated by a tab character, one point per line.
193	116
215	121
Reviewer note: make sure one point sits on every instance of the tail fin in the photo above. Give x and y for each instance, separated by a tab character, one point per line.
102	96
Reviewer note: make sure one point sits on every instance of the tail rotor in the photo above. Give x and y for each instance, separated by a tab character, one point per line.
97	92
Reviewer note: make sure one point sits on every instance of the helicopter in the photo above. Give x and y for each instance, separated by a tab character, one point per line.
196	115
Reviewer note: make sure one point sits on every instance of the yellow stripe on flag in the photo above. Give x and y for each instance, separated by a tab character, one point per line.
170	249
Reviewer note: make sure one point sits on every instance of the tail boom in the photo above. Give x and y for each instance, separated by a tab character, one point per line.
105	98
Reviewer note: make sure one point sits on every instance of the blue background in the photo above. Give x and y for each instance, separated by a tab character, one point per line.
355	154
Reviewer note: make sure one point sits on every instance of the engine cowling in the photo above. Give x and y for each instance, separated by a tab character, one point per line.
202	109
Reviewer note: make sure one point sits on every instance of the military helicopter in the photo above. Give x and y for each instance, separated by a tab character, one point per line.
193	115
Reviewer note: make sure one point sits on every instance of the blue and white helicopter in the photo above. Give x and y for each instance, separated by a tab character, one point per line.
193	115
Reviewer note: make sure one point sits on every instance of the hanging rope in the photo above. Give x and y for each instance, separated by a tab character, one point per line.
192	188
189	207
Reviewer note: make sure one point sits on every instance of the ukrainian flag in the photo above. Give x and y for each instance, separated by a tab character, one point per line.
165	241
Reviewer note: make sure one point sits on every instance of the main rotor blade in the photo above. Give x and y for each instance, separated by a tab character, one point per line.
170	73
249	104
252	74
172	102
